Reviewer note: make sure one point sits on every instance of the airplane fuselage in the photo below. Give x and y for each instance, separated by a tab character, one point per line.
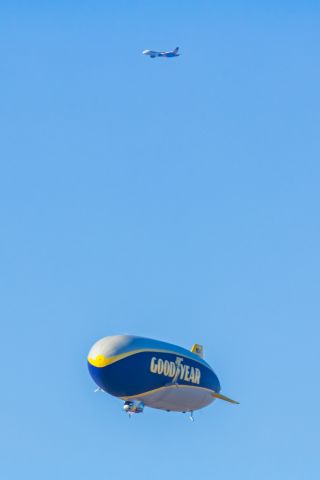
154	54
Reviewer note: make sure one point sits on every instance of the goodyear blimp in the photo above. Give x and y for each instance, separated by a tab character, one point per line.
146	372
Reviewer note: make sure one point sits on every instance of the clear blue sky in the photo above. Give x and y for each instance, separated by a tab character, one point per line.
176	199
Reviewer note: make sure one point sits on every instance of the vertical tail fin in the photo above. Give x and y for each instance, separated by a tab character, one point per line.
197	349
176	50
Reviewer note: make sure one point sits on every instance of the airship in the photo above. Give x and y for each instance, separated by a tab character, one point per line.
144	372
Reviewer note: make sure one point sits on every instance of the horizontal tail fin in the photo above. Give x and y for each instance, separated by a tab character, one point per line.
223	397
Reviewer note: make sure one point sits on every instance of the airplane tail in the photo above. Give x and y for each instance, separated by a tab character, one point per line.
176	50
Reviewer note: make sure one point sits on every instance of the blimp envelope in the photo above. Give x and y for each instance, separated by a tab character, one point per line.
159	374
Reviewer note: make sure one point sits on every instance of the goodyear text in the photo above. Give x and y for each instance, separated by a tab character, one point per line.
175	370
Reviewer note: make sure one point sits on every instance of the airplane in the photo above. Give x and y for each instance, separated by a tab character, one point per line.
154	54
144	372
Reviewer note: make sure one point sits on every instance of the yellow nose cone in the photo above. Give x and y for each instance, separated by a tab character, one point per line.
98	361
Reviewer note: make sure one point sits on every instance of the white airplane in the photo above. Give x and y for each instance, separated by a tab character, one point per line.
153	54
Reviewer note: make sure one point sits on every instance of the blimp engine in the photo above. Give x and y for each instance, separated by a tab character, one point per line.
133	407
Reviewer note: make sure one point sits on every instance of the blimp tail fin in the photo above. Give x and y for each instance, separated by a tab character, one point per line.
223	397
197	349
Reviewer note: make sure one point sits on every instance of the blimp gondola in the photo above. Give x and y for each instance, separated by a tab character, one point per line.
144	372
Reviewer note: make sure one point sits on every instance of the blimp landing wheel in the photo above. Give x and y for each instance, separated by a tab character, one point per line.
191	416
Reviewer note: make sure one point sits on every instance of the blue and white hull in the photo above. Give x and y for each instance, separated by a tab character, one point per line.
159	374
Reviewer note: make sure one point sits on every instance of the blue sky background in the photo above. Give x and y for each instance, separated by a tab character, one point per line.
176	199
